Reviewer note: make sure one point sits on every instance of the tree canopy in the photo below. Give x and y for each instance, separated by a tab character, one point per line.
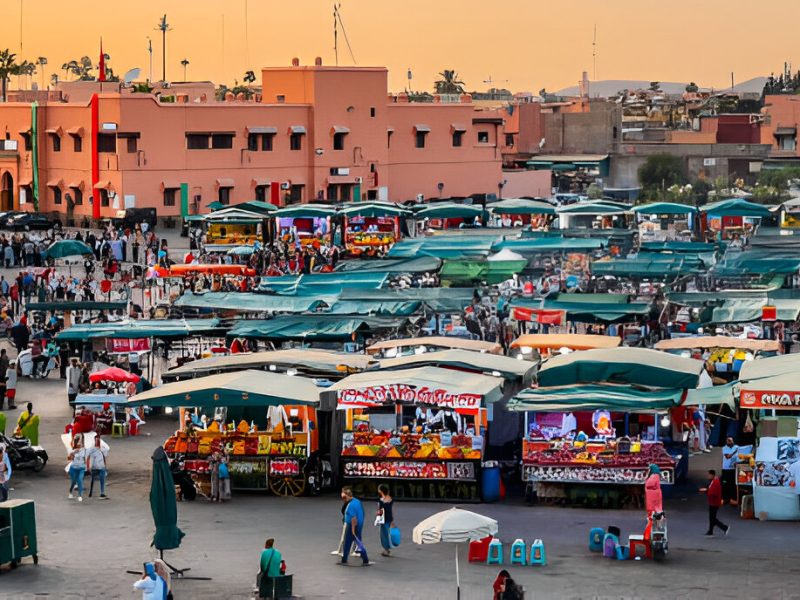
449	83
659	172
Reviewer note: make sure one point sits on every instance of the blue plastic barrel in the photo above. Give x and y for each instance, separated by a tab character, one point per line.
490	482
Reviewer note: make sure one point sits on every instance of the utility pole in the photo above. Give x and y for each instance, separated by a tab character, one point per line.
150	52
163	27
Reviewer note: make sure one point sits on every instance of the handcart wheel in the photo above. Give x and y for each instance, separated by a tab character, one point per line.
287	485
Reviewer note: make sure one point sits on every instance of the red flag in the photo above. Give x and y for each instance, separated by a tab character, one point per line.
102	65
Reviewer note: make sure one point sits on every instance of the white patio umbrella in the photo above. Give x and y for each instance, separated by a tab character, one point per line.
455	526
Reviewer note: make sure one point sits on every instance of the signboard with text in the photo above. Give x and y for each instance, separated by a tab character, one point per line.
592	474
785	400
398	469
383	395
126	346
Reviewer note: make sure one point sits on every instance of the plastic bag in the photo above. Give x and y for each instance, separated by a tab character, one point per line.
748	424
394	536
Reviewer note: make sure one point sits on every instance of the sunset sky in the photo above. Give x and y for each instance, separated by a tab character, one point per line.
520	44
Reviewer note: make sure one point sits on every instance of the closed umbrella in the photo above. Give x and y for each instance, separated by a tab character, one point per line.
163	504
65	248
456	526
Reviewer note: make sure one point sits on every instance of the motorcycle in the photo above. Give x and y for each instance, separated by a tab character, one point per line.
319	474
27	367
658	536
23	456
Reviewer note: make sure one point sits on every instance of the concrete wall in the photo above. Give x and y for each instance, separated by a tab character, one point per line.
780	111
527	183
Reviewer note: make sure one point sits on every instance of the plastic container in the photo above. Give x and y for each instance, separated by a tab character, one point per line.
490	482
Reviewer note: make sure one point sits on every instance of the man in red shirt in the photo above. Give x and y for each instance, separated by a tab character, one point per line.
714	493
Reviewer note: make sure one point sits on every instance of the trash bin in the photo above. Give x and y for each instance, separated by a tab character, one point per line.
490	481
17	531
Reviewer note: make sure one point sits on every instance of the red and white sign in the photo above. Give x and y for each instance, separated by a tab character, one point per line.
125	346
381	395
777	400
537	315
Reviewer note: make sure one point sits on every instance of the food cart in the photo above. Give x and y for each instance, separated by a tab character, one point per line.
99	413
369	226
307	224
262	453
232	227
420	430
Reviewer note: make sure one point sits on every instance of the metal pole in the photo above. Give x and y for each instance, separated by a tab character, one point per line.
458	578
164	53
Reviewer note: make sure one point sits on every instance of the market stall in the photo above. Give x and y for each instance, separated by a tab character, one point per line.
444	215
545	344
100	413
369	226
421	430
522	211
661	221
400	347
266	423
732	218
232	227
305	224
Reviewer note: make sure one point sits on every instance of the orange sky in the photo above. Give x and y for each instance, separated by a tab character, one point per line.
530	43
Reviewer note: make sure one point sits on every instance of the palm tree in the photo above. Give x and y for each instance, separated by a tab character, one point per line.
184	64
8	67
449	83
41	61
249	78
71	67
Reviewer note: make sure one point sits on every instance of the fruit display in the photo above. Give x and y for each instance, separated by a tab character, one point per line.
411	446
560	454
204	443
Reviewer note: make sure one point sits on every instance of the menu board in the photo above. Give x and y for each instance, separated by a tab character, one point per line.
460	471
590	474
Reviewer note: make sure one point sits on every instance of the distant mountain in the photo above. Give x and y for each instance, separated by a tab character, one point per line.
609	87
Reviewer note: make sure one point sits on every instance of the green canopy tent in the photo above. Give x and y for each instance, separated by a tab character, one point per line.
664	208
314	327
375	307
305	211
322	283
580	311
635	366
735	207
67	248
785	364
658	267
216	205
238	388
550	244
587	397
421	264
678	247
258	206
155	328
250	302
521	206
374	209
467	272
449	210
476	244
436	299
521	371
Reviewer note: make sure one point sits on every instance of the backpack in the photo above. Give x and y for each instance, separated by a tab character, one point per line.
513	590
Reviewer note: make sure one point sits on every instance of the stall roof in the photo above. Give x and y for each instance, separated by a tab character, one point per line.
664	208
444	246
436	341
657	267
170	328
550	244
436	299
449	210
636	366
421	264
718	341
678	247
521	206
305	211
400	308
323	283
788	383
374	209
586	312
312	360
579	397
257	206
736	207
235	214
239	388
468	271
759	261
596	207
509	368
574	341
743	310
313	327
786	364
64	305
430	379
250	302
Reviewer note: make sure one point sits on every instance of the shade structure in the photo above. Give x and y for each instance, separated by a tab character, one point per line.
735	207
421	264
163	504
145	328
456	526
435	299
252	302
257	206
786	364
664	208
239	388
721	341
67	248
374	209
216	205
314	327
521	206
637	366
650	266
436	341
545	245
306	211
466	360
594	208
449	210
470	271
584	312
114	374
573	341
477	243
587	397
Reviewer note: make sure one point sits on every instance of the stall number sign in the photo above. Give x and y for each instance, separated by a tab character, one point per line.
380	395
787	400
282	467
397	469
588	474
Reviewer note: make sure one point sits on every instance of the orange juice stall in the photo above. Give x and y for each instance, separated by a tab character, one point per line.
265	422
420	430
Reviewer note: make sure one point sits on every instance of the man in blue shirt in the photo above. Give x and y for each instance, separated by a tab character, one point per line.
730	456
354	519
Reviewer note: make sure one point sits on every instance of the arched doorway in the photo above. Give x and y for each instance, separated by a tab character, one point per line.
7	192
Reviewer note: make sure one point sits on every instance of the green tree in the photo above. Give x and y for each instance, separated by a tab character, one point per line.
701	187
449	83
659	172
8	67
594	192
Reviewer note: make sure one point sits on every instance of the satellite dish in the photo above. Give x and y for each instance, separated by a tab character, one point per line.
131	75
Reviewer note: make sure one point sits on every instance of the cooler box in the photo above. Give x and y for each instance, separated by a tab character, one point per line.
17	531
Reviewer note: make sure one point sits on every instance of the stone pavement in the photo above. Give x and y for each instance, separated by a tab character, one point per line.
86	548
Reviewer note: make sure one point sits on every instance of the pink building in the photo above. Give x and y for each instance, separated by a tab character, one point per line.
314	132
781	120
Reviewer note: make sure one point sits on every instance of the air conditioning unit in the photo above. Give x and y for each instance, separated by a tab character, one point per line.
359	180
286	185
340	171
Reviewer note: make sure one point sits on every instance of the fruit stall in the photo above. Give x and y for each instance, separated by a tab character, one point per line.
266	422
371	225
420	430
304	224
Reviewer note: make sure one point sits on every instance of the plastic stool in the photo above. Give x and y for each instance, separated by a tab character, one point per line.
495	556
118	430
596	539
479	549
518	553
612	548
538	556
638	541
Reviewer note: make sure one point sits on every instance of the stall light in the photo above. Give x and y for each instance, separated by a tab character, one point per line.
420	350
273	368
496	373
291	372
293	412
665	420
168	410
526	350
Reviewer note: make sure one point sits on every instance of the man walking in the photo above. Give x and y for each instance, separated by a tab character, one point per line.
354	519
730	456
73	380
96	458
714	493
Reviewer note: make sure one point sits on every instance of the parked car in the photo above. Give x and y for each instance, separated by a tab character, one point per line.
8	214
31	221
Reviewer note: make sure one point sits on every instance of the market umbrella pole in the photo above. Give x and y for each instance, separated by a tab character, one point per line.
458	577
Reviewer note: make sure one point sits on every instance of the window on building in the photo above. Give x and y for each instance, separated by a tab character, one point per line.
224	195
103	198
296	193
261	193
77	196
458	139
77	143
787	142
372	194
266	141
483	137
26	138
197	141
252	142
509	139
56	142
169	196
222	141
372	111
296	141
132	145
420	139
56	195
338	140
106	142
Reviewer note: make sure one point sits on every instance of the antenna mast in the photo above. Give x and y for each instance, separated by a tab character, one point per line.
163	27
337	21
594	54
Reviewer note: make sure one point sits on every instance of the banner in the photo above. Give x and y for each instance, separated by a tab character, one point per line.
537	315
125	346
591	474
382	395
391	469
779	400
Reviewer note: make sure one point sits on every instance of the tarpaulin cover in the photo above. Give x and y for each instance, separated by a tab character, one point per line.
618	398
550	244
588	312
509	368
736	207
465	272
313	327
760	261
422	264
636	366
436	299
442	246
374	209
741	310
678	246
663	266
664	208
594	208
250	302
374	307
168	328
322	283
449	210
521	206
